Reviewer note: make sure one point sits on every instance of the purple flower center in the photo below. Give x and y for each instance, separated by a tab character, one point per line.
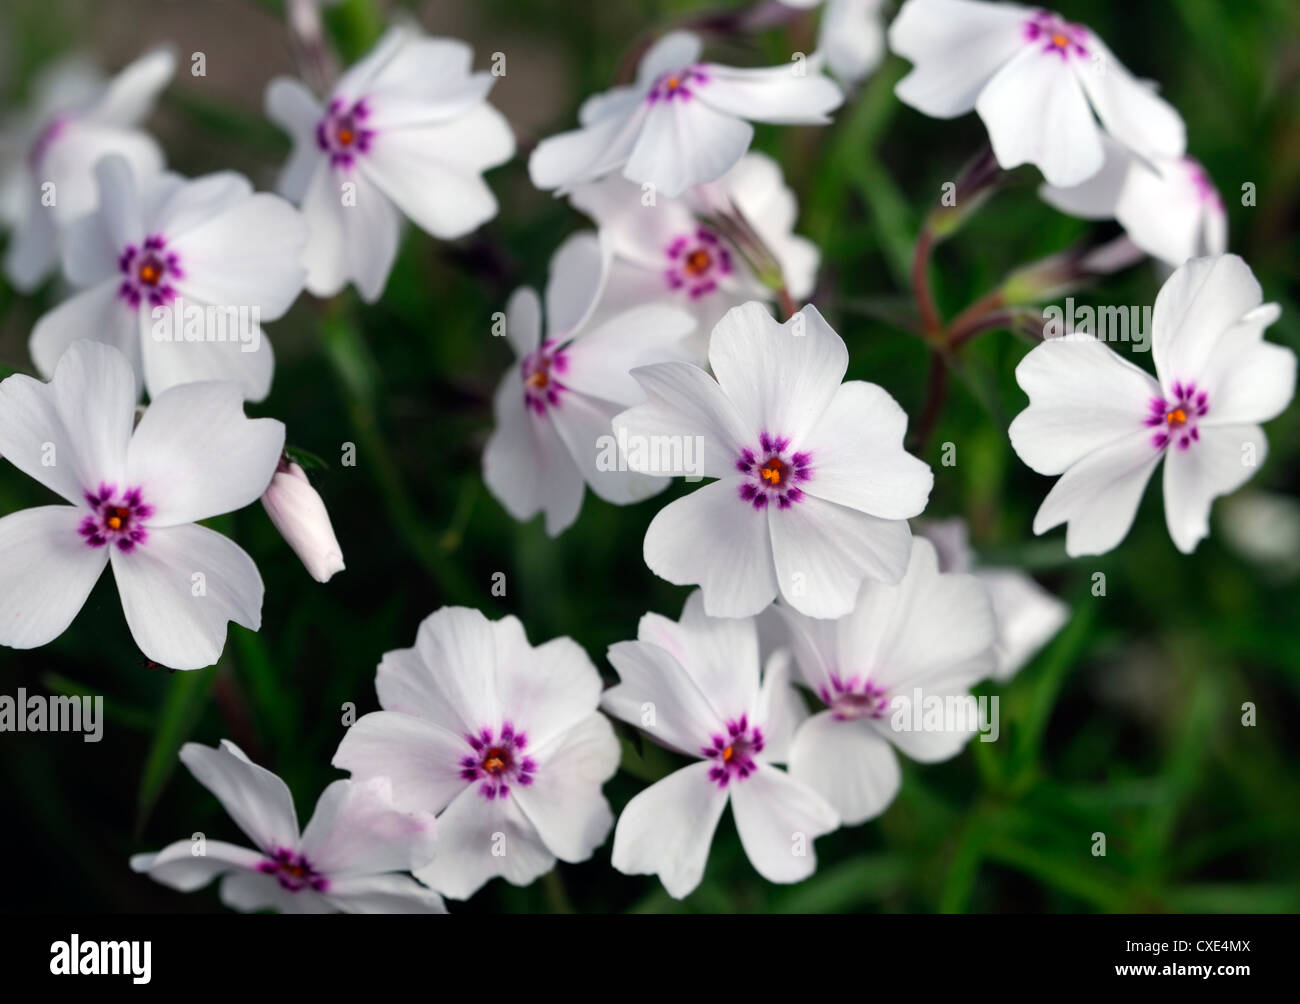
1056	34
695	261
342	134
497	760
147	272
1177	418
677	85
733	754
115	519
774	472
293	871
541	385
854	698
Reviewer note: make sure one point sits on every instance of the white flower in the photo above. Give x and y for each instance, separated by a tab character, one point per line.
814	488
554	406
929	637
349	858
1027	615
501	738
683	122
1036	80
302	519
137	498
46	163
850	35
1168	205
406	130
693	686
670	250
178	276
1104	424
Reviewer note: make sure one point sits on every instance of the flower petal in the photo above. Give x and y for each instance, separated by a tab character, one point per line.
785	95
383	894
1027	615
848	764
778	819
1130	109
96	313
1221	461
47	571
292	106
257	800
549	689
179	867
419	756
655	693
358	830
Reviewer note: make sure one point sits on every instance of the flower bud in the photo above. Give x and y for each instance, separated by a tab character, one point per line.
299	514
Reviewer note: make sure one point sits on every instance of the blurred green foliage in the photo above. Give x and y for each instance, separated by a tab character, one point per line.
1128	724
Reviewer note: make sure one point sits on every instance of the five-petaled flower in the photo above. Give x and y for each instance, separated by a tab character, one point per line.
349	859
693	685
1103	424
136	500
501	739
814	487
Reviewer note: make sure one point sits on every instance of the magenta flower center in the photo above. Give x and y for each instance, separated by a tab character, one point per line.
677	85
854	698
115	519
541	385
342	133
496	761
1057	35
695	263
733	754
148	272
293	871
774	473
1177	419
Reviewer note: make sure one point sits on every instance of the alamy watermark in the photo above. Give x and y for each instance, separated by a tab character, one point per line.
665	455
1106	324
179	321
37	713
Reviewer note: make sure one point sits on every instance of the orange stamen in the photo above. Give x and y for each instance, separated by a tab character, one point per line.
1176	417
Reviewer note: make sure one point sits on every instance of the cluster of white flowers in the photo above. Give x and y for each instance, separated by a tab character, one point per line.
653	354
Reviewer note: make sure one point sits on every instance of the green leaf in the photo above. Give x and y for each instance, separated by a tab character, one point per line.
187	693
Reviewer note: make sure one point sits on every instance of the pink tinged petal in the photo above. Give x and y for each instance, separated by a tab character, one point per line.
194	455
656	694
778	819
716	540
526	464
824	551
357	829
720	654
459	646
585	424
685	405
858	455
1195	308
667	829
564	802
684	143
442	196
131	95
1130	109
250	892
479	840
577	274
1222	460
571	158
257	800
246	257
848	764
1083	396
524	321
1027	615
293	107
904	725
1098	495
386	894
545	690
71	434
785	95
957	46
299	513
179	590
46	573
781	377
1036	113
179	867
420	757
781	709
599	362
189	341
96	313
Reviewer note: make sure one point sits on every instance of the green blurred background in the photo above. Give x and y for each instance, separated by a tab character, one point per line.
1128	724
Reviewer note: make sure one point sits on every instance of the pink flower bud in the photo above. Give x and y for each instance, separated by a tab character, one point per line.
300	516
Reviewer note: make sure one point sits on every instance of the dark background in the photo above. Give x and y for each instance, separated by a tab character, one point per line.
1129	723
